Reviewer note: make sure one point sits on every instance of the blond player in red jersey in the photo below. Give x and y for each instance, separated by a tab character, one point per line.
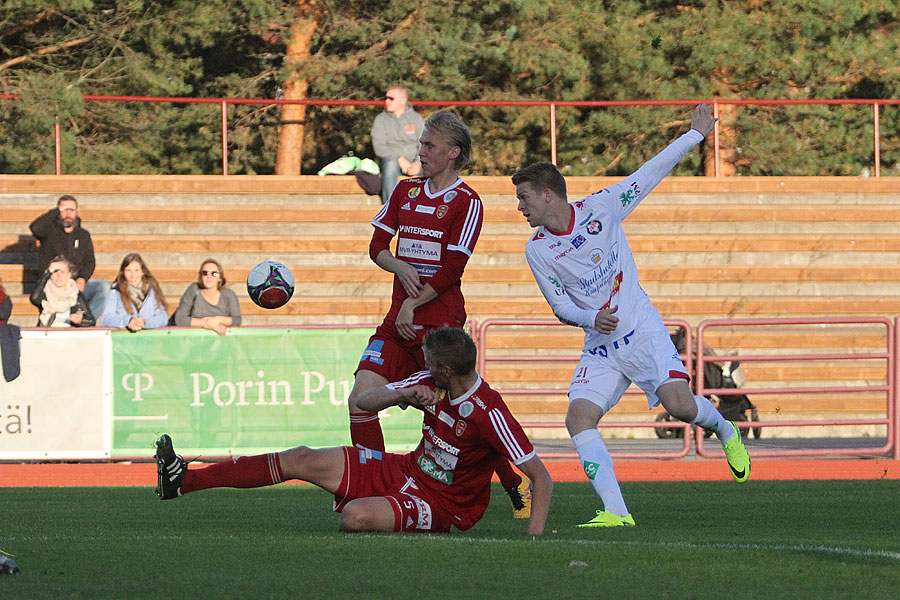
445	482
436	219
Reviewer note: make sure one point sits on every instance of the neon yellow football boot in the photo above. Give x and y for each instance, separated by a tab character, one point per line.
737	456
605	518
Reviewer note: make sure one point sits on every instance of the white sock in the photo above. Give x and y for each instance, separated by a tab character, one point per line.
709	418
598	466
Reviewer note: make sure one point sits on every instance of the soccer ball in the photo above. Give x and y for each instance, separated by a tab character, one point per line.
270	284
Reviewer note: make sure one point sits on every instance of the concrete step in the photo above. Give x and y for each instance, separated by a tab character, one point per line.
348	213
487	243
46	201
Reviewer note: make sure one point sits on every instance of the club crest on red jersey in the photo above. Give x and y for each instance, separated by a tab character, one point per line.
460	428
441	211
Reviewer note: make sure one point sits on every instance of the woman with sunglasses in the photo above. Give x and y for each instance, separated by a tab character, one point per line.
208	303
135	301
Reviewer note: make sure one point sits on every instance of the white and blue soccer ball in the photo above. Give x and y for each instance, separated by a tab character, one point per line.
270	284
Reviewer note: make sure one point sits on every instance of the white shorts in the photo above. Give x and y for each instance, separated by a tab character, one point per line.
646	357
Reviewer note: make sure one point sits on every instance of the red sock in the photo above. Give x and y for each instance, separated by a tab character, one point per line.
238	472
508	477
365	431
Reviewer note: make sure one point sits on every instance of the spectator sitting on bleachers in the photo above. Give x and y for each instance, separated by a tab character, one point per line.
57	297
60	233
208	303
135	301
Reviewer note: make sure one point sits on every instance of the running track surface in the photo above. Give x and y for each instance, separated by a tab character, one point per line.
98	474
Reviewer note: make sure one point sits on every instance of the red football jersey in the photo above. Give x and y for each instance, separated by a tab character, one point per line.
453	464
428	225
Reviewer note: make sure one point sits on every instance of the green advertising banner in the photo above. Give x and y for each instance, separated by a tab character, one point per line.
248	392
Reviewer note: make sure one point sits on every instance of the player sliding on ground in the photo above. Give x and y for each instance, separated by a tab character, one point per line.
445	481
582	264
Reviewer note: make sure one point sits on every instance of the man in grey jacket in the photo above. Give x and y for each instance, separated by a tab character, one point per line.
395	136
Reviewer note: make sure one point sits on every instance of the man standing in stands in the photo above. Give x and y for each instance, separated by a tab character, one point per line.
395	136
585	270
60	233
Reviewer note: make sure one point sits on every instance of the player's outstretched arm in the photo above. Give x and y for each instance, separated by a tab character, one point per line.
540	494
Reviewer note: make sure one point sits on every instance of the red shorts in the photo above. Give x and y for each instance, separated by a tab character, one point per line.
374	474
392	357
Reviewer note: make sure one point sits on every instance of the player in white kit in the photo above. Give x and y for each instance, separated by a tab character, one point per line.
583	266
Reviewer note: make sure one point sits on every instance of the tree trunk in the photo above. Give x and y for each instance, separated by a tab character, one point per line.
290	135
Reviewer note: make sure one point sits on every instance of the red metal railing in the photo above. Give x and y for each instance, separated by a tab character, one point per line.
550	105
571	359
889	388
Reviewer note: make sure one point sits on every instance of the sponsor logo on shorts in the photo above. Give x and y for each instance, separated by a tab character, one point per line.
366	454
373	352
432	470
424	510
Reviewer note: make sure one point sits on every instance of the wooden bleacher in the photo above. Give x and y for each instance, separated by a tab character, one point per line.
706	248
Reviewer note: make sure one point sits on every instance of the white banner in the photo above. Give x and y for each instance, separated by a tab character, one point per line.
52	410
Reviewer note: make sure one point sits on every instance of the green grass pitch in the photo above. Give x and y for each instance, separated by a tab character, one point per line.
760	540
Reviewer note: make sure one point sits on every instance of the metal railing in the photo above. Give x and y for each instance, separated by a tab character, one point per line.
887	355
486	358
550	105
694	343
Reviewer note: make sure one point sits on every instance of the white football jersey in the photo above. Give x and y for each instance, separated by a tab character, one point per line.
590	267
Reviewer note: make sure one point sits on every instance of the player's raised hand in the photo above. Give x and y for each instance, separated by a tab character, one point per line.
421	396
702	119
606	321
